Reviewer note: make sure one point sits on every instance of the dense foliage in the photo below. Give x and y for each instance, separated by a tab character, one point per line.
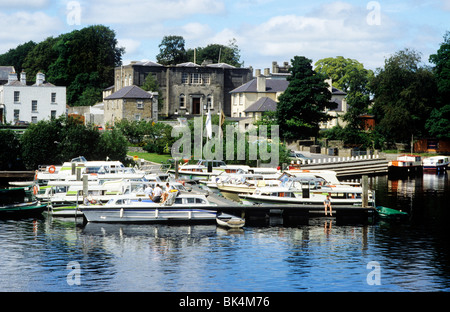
58	140
82	60
172	51
302	106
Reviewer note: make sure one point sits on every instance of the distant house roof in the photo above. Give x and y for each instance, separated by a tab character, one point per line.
221	65
272	85
264	104
130	92
188	64
5	71
143	63
336	91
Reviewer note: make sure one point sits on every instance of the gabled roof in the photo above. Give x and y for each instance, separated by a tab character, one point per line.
264	104
147	63
221	65
188	64
5	70
272	85
130	92
336	91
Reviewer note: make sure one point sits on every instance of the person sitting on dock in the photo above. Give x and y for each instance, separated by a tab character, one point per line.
327	204
157	192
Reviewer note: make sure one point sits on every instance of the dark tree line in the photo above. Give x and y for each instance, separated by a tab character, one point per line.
82	60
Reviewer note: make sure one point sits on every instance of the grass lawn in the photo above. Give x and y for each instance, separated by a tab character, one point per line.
152	157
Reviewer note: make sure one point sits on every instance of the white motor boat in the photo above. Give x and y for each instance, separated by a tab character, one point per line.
436	163
308	191
135	208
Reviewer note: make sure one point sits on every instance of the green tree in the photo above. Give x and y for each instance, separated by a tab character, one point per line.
151	84
40	58
404	96
217	53
171	51
439	122
113	145
351	77
10	151
41	143
302	106
17	56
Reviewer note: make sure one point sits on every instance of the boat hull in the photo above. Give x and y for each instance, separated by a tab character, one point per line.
22	210
146	215
297	201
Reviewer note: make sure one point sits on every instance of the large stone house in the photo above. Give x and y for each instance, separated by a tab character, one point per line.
187	89
132	103
261	94
20	102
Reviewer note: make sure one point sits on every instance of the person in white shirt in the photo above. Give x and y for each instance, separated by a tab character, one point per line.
157	192
148	191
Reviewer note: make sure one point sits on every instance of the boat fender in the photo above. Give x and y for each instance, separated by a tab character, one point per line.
35	189
51	169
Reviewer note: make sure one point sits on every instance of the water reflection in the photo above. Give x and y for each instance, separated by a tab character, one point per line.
319	256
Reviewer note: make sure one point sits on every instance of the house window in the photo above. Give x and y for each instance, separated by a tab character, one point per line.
137	117
53	98
182	101
16	115
185	78
241	99
34	106
33	119
209	101
235	99
206	78
16	96
196	78
139	104
53	114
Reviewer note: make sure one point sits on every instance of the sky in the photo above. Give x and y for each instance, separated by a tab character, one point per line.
265	30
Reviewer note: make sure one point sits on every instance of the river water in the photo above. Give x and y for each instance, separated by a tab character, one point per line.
51	254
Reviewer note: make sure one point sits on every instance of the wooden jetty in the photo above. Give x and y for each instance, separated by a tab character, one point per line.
350	166
291	213
17	174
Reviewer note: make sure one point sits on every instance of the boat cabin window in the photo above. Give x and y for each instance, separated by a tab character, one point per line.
178	200
200	201
190	200
91	170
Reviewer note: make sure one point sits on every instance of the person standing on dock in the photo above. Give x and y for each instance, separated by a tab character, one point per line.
327	204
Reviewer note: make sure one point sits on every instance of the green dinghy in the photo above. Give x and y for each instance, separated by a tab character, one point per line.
389	213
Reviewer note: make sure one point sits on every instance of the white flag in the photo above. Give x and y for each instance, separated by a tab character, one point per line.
209	125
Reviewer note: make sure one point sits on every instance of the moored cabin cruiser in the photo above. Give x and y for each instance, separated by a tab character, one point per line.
436	163
135	208
405	165
308	191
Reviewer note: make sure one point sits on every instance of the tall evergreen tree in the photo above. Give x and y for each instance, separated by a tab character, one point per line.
303	105
438	124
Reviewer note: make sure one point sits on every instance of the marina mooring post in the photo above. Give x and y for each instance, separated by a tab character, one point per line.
365	191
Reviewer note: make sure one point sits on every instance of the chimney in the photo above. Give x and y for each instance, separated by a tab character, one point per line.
40	78
257	72
23	78
12	76
267	72
260	83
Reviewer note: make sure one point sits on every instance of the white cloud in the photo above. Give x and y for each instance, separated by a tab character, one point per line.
148	12
24	26
131	45
24	4
330	30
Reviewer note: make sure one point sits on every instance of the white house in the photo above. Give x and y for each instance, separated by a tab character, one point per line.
30	103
